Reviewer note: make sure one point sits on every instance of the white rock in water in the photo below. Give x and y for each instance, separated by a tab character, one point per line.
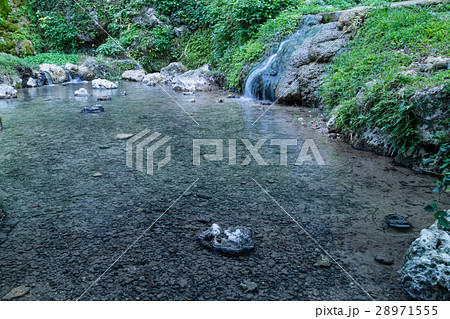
81	92
133	75
425	274
103	84
31	83
7	92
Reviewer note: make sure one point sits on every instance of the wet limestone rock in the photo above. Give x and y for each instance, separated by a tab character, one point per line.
81	92
196	80
7	92
234	240
153	79
31	83
171	71
133	75
425	274
57	73
103	84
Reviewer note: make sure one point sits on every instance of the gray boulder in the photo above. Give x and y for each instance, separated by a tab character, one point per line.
196	80
153	79
7	92
133	75
173	70
425	274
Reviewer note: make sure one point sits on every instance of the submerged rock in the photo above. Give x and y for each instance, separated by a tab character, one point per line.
425	274
234	240
81	92
93	109
397	221
104	98
133	75
103	84
7	92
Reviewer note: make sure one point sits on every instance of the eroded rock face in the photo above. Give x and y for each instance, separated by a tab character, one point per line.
7	92
425	274
196	80
296	72
171	71
133	75
103	84
57	73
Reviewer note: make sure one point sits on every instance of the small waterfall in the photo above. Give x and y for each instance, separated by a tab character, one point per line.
48	78
69	74
261	82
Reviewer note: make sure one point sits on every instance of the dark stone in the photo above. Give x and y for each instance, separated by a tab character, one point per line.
397	221
384	260
104	98
93	109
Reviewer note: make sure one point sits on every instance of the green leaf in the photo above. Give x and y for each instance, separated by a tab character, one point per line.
431	207
442	221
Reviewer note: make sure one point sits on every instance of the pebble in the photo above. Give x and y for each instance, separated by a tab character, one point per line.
323	261
16	292
249	286
384	259
97	174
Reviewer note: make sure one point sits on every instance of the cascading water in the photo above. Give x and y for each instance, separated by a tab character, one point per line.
260	82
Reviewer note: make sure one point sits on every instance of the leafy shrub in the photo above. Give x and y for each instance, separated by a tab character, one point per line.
61	36
109	48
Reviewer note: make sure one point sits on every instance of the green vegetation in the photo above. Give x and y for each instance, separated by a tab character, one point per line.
54	58
9	63
388	44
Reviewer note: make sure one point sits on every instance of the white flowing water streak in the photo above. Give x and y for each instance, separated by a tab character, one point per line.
248	92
